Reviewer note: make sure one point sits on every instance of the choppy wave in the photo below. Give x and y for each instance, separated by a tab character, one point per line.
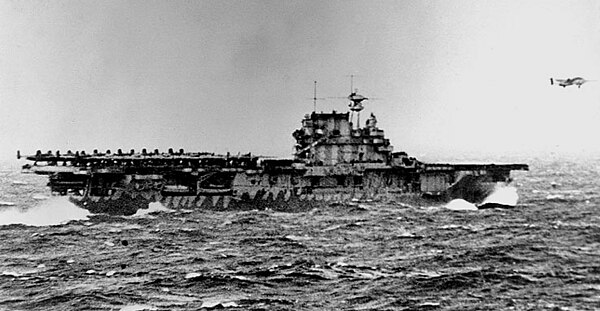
370	257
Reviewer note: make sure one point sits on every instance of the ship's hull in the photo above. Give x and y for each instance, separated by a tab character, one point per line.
121	202
122	185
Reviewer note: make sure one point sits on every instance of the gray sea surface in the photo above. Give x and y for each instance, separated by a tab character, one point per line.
544	254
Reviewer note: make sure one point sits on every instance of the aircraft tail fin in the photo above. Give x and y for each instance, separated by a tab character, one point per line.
551	81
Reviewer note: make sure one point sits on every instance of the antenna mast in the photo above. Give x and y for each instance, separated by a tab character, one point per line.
351	87
315	98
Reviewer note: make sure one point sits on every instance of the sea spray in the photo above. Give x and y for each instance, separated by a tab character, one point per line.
460	205
54	211
502	195
153	207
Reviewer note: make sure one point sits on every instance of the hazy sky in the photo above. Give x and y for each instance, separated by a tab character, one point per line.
449	76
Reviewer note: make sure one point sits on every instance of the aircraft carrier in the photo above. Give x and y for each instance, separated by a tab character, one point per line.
337	160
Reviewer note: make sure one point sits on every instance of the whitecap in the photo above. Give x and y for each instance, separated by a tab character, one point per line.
137	307
555	197
40	197
153	207
460	205
503	195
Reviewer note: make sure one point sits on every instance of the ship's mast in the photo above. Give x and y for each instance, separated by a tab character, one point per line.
358	119
351	88
315	98
355	102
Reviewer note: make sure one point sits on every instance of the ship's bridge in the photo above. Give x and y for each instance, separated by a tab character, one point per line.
330	139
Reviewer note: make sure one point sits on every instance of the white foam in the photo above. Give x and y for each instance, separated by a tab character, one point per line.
152	208
505	195
557	197
40	197
55	211
137	307
460	205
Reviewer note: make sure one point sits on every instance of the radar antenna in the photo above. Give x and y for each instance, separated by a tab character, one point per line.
355	102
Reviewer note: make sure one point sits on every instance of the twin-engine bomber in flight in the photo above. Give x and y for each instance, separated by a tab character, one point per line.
570	81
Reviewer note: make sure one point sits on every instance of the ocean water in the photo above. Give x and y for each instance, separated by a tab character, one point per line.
544	254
